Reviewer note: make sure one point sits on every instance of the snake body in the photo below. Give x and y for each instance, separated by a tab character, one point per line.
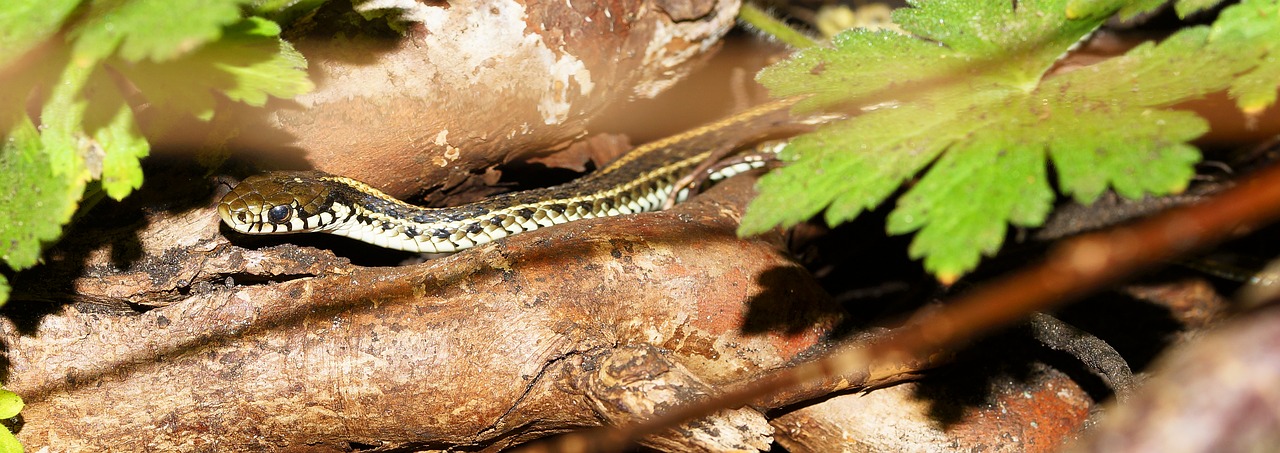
640	181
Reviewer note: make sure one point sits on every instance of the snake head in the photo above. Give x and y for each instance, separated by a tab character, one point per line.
278	202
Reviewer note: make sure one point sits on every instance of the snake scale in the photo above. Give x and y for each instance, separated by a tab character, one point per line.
639	181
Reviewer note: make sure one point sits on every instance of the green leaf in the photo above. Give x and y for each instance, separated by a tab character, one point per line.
1186	8
62	119
881	157
249	64
1092	154
176	54
284	11
1139	7
1144	76
1078	9
36	202
1133	8
1247	29
934	95
282	73
9	443
115	140
87	129
10	404
1256	91
866	63
24	24
42	175
1024	41
4	290
1006	177
1122	142
157	30
971	109
19	85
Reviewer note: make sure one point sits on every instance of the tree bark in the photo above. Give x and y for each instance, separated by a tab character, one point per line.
488	347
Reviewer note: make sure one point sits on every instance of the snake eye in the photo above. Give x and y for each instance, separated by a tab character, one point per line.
279	214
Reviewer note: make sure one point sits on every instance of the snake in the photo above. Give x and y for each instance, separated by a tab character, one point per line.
283	202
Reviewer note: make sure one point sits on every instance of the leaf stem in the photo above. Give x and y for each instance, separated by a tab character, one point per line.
770	25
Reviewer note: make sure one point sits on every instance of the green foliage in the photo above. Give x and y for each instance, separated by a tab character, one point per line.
966	107
284	12
156	30
36	200
1250	30
10	405
78	72
24	24
246	65
1185	8
1131	9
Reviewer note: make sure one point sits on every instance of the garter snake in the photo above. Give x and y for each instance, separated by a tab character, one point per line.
639	181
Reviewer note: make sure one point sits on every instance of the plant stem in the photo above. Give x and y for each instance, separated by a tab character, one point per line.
770	25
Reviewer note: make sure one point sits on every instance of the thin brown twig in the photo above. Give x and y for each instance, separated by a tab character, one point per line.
1076	268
